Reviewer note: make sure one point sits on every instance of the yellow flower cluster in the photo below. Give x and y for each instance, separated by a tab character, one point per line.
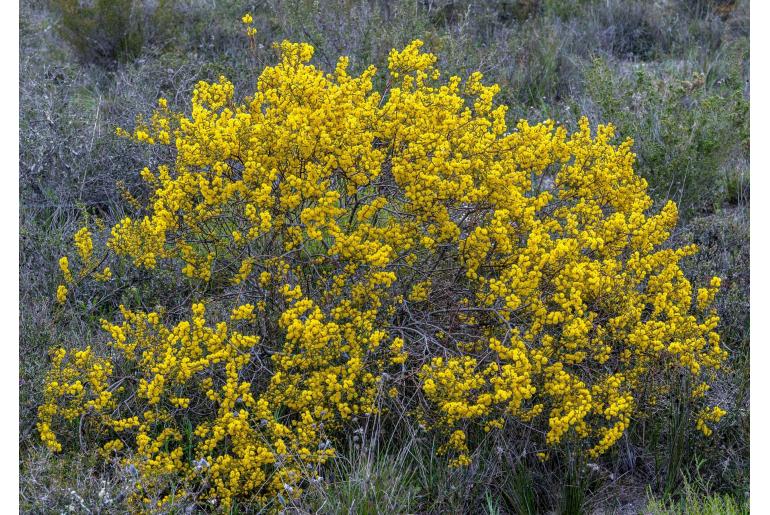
61	294
84	247
377	244
247	20
64	266
713	414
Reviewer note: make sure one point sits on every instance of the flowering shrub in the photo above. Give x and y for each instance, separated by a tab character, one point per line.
343	246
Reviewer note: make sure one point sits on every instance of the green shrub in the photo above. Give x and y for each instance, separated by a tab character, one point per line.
685	131
109	31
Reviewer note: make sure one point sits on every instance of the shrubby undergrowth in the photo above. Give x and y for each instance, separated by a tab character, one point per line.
344	251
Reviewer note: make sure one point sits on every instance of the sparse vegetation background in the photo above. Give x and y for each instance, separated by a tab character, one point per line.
430	425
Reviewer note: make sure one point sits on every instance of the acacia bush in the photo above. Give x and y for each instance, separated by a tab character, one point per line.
340	253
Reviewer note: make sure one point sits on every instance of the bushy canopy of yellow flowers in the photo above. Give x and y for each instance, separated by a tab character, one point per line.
357	245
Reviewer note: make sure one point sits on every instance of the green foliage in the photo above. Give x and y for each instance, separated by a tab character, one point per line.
519	491
695	501
566	8
367	484
685	132
678	438
544	71
109	31
106	31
